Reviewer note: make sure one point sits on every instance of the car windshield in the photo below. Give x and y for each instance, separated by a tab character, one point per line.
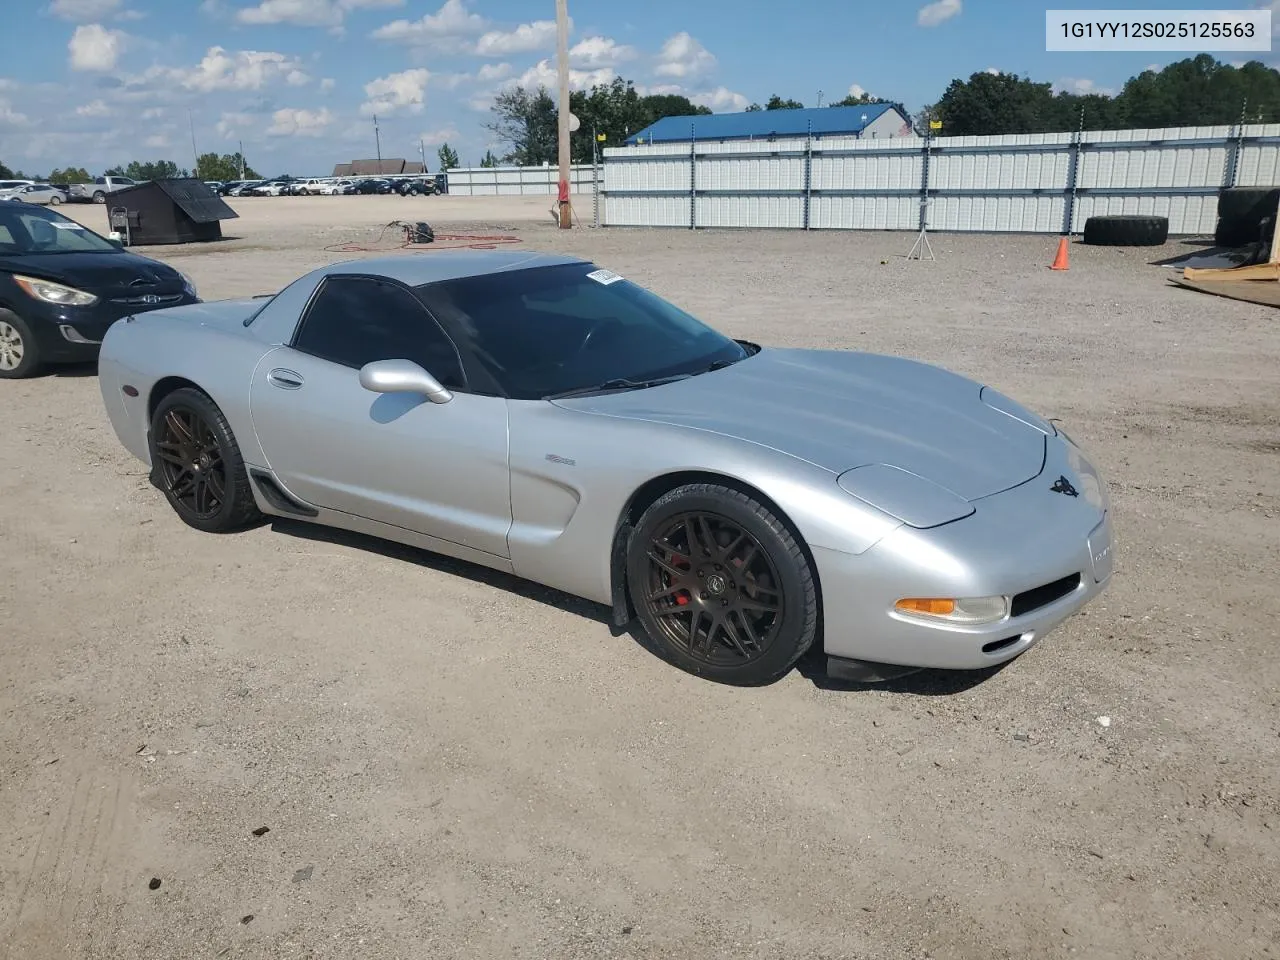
26	230
546	331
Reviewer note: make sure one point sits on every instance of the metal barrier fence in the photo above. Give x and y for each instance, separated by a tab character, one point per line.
518	181
1030	183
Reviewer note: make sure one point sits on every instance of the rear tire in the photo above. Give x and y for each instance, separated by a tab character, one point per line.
721	586
1126	231
19	352
196	463
55	200
99	197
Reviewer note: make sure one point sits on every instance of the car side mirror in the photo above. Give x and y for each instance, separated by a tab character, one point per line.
115	239
402	376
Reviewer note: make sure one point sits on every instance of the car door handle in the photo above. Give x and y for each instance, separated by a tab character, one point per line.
284	379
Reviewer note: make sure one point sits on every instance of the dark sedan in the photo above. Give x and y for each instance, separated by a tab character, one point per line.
62	286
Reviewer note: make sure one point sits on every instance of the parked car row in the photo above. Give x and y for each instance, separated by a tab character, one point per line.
29	191
423	185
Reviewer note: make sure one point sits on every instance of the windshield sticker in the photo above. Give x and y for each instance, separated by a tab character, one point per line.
604	276
65	226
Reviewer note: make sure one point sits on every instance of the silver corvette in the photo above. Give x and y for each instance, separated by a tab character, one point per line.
543	416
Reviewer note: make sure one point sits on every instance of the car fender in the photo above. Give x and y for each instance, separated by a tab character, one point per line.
143	357
575	476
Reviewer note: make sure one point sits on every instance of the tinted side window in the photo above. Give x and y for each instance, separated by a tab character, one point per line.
355	321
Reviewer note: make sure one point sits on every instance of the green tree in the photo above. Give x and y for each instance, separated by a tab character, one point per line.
7	174
149	170
448	157
617	110
211	166
489	159
753	108
526	122
777	103
859	100
989	104
69	175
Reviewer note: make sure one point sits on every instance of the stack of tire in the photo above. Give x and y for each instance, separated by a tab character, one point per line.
1246	215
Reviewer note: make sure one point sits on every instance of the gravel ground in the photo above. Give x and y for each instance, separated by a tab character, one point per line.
454	764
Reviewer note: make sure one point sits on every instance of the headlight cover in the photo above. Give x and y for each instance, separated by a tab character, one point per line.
51	292
189	286
963	610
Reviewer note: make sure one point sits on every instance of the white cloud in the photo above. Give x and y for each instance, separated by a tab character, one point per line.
10	117
242	70
90	11
683	56
442	29
233	123
526	38
300	123
857	90
594	52
721	100
993	71
153	113
95	108
296	78
306	13
394	91
938	12
433	138
493	71
661	89
1081	86
94	47
327	84
157	142
545	74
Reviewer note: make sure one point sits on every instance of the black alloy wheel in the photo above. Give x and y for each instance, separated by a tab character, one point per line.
197	464
191	463
713	589
721	585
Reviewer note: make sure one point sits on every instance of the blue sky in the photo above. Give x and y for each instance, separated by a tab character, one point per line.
98	82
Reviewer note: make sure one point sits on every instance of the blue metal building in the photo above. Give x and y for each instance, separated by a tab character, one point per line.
871	120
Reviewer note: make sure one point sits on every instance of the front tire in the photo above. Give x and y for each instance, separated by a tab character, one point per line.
19	352
721	586
196	462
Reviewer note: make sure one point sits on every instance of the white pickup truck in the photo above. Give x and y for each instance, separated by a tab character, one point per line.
98	190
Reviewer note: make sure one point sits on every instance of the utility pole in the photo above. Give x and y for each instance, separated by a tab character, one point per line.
241	145
195	155
377	139
562	55
422	152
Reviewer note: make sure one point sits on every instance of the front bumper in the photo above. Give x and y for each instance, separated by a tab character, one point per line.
1017	542
70	334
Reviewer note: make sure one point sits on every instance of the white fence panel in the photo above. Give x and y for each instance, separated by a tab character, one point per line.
518	181
763	212
867	212
754	173
1023	183
875	171
628	211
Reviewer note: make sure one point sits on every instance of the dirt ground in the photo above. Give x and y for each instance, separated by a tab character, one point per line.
455	764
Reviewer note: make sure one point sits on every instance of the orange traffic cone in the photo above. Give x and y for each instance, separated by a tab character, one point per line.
1060	261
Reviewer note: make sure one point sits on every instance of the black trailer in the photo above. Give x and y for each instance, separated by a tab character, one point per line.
169	211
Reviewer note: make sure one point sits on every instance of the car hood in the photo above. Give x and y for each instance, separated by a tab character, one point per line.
841	410
104	273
